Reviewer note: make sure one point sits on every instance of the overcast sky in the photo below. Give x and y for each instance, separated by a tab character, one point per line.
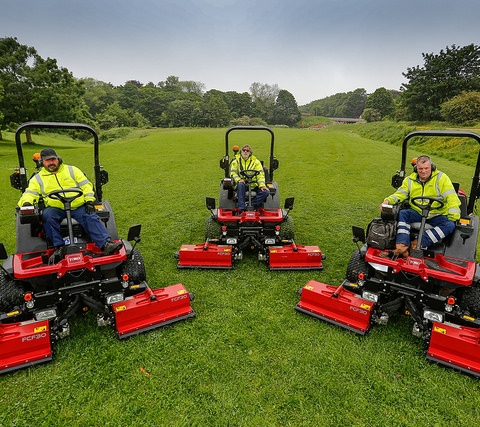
312	48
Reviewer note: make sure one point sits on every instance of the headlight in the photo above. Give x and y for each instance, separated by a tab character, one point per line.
232	241
434	316
49	313
113	298
370	296
269	241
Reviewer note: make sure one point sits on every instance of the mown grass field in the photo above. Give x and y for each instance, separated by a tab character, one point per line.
248	358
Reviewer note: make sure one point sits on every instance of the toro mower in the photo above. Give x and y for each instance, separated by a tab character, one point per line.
439	287
39	294
267	230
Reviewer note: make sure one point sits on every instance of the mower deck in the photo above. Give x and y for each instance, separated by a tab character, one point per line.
336	305
152	309
24	344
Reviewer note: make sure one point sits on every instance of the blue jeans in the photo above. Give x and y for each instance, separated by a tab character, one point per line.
256	202
91	223
442	227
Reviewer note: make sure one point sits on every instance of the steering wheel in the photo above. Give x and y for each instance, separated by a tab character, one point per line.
426	203
62	195
249	173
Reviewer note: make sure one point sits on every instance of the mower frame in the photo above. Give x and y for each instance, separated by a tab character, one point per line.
438	287
268	230
38	296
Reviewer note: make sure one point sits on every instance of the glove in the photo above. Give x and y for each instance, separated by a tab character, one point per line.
89	207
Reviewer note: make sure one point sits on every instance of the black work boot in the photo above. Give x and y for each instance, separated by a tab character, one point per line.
111	247
58	255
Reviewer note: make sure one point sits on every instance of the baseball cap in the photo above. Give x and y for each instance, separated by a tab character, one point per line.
48	153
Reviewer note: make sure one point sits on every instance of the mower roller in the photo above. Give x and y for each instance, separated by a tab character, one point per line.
268	230
439	287
38	294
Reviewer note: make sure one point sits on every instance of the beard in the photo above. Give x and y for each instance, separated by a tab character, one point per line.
52	168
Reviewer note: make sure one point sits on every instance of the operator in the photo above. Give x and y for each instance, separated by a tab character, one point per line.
427	181
243	162
55	175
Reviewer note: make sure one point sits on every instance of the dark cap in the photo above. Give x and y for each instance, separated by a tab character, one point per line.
48	153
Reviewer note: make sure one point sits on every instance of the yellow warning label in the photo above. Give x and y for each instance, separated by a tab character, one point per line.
120	308
13	313
365	306
439	330
40	329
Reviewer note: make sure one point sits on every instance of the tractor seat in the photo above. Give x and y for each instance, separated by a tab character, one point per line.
78	230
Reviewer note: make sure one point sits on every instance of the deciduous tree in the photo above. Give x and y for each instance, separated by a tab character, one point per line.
443	76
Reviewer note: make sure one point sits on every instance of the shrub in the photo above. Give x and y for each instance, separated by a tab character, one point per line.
463	109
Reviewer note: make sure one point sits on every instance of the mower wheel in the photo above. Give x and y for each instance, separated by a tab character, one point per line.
135	267
287	230
356	265
11	293
213	229
470	299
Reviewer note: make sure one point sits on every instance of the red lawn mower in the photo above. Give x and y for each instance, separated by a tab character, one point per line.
268	230
38	296
438	287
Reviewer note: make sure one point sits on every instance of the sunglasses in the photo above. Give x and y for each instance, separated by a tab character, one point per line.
246	150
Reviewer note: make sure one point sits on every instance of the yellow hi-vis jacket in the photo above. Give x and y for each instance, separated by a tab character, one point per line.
438	185
44	182
252	163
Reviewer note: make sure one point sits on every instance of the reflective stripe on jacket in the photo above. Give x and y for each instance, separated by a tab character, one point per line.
44	182
438	185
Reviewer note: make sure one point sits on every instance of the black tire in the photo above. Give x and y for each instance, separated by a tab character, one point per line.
213	229
470	300
135	267
11	293
355	266
287	230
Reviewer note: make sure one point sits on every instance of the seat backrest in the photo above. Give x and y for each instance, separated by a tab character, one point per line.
463	206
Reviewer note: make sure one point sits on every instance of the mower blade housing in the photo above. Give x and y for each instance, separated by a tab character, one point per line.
205	255
295	257
152	309
336	305
24	344
455	346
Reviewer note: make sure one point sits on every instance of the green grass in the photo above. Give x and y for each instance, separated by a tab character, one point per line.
248	358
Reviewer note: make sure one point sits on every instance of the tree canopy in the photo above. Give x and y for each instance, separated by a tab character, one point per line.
442	77
34	88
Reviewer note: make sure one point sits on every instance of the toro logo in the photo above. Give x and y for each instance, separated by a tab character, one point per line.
74	258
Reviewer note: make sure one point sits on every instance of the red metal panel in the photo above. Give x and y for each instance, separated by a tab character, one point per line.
152	309
24	344
456	347
295	257
336	305
207	255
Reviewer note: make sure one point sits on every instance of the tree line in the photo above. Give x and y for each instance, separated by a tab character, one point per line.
33	88
446	87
